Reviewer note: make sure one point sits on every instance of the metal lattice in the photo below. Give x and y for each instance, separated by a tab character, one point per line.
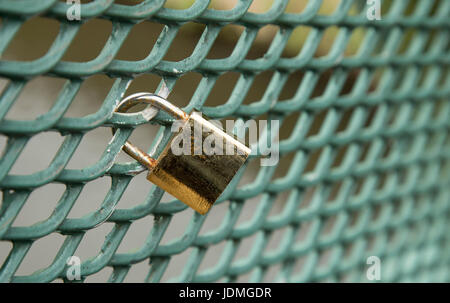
382	148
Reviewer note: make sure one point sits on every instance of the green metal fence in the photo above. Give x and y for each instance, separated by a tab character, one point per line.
380	183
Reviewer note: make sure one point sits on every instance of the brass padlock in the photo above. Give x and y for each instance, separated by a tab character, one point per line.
196	179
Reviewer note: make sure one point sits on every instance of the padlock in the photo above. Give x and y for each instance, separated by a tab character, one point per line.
195	178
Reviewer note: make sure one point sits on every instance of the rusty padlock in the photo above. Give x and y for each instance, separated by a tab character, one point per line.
196	179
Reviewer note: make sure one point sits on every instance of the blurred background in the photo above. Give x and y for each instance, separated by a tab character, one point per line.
33	41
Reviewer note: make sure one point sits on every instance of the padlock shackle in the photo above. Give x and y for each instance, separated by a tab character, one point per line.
153	100
156	101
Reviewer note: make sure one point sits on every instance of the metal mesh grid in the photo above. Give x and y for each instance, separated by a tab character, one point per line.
379	186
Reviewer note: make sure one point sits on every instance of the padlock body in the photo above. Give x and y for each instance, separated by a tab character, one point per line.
198	175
